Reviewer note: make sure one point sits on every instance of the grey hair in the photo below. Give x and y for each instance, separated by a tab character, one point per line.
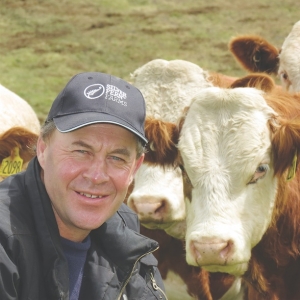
49	127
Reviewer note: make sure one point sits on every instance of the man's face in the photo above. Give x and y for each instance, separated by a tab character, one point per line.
86	173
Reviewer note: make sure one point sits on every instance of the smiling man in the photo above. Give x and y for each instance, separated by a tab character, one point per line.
64	231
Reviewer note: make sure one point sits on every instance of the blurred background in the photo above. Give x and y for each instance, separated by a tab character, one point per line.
43	43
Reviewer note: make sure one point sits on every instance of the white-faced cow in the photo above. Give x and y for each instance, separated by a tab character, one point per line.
239	148
256	54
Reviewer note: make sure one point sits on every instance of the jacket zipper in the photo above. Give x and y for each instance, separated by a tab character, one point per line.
156	287
152	277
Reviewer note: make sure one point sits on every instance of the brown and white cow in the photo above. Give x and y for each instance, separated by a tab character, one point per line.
245	143
18	131
256	54
238	147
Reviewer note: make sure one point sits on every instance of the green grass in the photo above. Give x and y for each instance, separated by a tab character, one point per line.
45	42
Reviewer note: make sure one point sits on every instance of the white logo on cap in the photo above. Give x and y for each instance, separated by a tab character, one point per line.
94	91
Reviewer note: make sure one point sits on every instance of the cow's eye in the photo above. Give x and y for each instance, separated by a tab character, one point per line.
260	172
185	175
284	76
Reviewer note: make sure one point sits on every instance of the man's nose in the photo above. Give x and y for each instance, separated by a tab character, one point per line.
96	172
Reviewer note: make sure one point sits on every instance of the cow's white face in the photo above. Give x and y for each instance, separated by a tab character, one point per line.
226	149
289	58
158	199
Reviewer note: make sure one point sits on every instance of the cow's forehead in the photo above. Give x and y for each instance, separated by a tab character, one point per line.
225	125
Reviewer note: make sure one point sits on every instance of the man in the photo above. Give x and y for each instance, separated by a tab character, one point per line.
64	231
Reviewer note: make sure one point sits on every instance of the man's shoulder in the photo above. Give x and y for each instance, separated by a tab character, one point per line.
15	210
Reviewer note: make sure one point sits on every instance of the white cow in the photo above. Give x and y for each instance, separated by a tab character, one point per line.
19	127
157	196
16	112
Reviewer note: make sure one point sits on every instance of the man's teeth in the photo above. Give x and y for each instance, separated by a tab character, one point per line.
90	195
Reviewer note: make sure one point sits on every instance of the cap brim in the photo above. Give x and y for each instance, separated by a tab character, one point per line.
72	122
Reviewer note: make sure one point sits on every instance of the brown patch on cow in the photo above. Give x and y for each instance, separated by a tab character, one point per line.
163	138
260	81
255	54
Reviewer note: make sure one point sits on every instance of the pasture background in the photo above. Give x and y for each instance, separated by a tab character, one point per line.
43	43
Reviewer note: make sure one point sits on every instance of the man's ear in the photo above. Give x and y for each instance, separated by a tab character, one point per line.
40	151
138	163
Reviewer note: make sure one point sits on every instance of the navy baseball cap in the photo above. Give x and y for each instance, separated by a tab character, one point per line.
94	97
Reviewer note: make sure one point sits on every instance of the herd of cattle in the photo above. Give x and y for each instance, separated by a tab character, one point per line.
219	188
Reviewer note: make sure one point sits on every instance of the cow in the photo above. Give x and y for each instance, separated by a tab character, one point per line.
256	54
18	132
244	149
239	150
16	112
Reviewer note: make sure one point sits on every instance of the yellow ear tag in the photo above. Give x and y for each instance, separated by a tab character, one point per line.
292	170
11	164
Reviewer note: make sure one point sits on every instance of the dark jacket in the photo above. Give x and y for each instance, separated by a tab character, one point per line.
32	263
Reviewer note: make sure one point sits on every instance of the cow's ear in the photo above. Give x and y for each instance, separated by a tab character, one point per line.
182	118
286	147
260	81
255	54
163	138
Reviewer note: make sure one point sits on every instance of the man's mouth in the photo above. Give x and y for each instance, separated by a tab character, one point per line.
90	195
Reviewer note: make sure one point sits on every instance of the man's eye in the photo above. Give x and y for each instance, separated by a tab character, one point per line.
81	151
117	158
260	173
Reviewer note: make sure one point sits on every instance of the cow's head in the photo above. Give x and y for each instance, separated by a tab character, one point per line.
231	155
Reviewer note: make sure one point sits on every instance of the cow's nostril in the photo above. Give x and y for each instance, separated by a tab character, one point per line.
211	251
162	208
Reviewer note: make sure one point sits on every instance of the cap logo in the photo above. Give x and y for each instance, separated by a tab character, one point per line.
94	91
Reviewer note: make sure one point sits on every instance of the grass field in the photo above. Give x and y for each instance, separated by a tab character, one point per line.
45	42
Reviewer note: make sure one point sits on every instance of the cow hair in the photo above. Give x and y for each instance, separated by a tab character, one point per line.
260	81
163	138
